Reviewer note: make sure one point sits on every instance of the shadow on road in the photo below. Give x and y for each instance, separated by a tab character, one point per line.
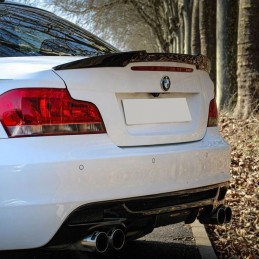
133	250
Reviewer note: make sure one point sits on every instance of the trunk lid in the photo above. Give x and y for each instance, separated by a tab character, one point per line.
132	93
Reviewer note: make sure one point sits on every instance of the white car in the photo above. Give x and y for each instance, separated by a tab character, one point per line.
97	146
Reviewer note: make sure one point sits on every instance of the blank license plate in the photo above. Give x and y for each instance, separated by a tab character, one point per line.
150	111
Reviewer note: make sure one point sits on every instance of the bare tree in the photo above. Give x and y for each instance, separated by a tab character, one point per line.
129	24
115	21
227	18
161	17
195	31
207	25
248	59
187	16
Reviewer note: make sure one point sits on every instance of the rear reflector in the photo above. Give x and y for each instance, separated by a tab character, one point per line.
162	68
213	114
47	111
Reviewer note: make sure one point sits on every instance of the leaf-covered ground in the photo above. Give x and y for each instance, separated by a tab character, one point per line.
240	238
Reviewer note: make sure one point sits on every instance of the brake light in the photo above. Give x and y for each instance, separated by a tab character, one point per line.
47	111
162	68
213	114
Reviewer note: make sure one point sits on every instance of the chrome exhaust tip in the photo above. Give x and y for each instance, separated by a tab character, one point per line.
218	217
228	214
116	239
97	242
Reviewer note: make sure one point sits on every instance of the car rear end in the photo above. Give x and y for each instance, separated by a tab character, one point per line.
109	149
103	149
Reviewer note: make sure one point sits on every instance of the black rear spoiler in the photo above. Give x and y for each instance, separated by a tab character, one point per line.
122	59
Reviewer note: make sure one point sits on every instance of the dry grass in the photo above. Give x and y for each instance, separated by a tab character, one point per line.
240	238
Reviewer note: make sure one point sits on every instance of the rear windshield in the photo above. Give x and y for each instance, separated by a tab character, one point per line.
27	31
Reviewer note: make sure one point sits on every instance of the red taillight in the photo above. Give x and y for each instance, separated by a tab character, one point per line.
213	114
31	111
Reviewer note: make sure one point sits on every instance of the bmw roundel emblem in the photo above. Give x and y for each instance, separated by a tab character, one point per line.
165	83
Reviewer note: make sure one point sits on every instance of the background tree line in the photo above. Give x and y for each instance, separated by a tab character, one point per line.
226	31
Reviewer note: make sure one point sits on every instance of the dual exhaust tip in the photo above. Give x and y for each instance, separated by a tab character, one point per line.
115	238
101	241
219	216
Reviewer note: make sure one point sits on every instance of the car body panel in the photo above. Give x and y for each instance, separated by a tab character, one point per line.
61	175
115	84
22	67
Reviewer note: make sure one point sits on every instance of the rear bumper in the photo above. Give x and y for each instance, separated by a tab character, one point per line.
140	215
43	180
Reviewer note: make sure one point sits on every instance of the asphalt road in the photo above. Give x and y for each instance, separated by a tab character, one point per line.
174	242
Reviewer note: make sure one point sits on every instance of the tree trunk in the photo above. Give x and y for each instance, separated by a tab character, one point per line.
227	19
187	17
177	44
207	23
248	59
195	39
174	45
181	26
